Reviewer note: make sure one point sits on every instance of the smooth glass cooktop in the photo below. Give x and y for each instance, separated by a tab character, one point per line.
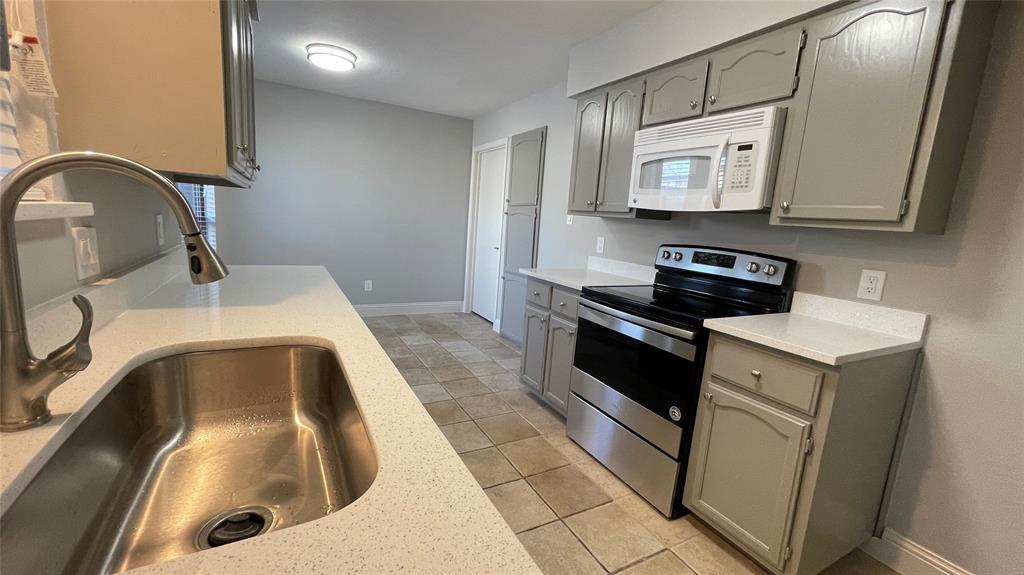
667	305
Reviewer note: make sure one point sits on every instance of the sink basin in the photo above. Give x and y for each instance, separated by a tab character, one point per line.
193	451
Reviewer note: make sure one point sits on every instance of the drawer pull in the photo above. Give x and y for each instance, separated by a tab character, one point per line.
755	373
536	293
708	396
561	304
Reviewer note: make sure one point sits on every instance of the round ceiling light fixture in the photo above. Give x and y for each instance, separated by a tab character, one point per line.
330	57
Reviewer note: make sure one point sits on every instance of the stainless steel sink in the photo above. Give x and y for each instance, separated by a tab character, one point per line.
193	451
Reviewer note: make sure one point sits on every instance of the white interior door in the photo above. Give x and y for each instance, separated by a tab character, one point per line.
486	264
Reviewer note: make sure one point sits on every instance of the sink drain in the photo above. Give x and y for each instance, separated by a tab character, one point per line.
234	525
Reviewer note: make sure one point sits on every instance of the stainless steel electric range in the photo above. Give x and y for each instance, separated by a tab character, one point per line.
640	353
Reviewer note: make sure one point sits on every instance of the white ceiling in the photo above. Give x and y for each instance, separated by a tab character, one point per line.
462	58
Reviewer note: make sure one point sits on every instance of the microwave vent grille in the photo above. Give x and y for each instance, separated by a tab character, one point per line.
760	118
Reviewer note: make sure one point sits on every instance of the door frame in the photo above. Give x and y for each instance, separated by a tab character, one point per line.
471	229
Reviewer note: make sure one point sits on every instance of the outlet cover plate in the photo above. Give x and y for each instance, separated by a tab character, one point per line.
872	282
367	285
600	245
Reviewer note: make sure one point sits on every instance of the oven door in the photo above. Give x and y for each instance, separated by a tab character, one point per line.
643	374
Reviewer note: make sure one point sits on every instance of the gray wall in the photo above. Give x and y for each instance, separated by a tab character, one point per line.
958	490
370	190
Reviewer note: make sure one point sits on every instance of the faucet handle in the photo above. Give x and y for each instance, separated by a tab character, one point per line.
75	355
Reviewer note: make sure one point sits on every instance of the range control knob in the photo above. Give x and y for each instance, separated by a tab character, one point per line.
666	254
752	267
770	270
678	256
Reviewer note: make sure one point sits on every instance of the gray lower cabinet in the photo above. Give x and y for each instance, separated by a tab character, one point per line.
513	306
550	341
676	93
749	435
790	458
561	346
757	70
535	345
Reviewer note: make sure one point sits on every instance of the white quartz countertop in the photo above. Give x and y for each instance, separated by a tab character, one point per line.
577	278
424	512
829	330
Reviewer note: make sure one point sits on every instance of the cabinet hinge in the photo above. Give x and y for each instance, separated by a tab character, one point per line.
904	207
809	445
787	554
803	38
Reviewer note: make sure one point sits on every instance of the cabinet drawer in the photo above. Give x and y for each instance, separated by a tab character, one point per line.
538	293
564	303
789	383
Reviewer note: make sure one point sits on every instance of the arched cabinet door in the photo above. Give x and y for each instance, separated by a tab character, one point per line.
748	467
526	167
622	120
852	129
758	70
586	152
676	93
561	345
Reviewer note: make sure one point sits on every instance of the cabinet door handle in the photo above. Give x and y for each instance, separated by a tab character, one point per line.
784	206
708	396
561	304
536	294
543	320
600	203
590	202
693	104
712	99
755	373
572	332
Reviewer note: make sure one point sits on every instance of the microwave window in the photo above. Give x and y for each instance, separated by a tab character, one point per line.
679	173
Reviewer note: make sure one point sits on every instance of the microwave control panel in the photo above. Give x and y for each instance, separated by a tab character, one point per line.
741	167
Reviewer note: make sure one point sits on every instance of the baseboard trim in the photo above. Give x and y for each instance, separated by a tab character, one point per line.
413	308
909	558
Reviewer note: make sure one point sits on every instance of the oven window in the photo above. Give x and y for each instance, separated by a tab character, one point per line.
677	173
646	374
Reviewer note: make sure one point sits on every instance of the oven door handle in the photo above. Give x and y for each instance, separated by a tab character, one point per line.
615	320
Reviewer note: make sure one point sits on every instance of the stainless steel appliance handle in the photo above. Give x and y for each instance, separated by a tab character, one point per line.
656	339
671	330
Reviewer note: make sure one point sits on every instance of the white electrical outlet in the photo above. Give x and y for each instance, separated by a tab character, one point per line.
368	285
87	252
871	284
160	230
568	219
600	245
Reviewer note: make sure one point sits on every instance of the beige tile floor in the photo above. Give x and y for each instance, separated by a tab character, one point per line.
572	514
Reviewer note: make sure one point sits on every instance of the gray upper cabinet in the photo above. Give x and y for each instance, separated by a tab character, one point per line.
526	167
758	70
535	345
561	346
749	462
586	152
238	76
853	127
622	119
676	93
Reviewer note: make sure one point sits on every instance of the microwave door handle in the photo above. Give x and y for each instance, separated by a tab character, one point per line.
716	197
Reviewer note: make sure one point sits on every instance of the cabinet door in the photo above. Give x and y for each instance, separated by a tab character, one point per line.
758	70
526	167
852	129
238	85
520	235
535	345
586	152
750	458
676	93
621	121
561	346
513	306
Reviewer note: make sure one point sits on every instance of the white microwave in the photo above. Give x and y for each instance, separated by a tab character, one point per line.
726	163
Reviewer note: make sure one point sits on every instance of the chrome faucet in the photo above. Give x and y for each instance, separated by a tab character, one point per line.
26	381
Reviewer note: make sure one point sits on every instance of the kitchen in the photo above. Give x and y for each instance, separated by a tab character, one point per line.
325	192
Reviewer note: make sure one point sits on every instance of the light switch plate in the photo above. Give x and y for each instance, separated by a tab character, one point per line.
600	245
86	248
568	219
871	284
368	285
